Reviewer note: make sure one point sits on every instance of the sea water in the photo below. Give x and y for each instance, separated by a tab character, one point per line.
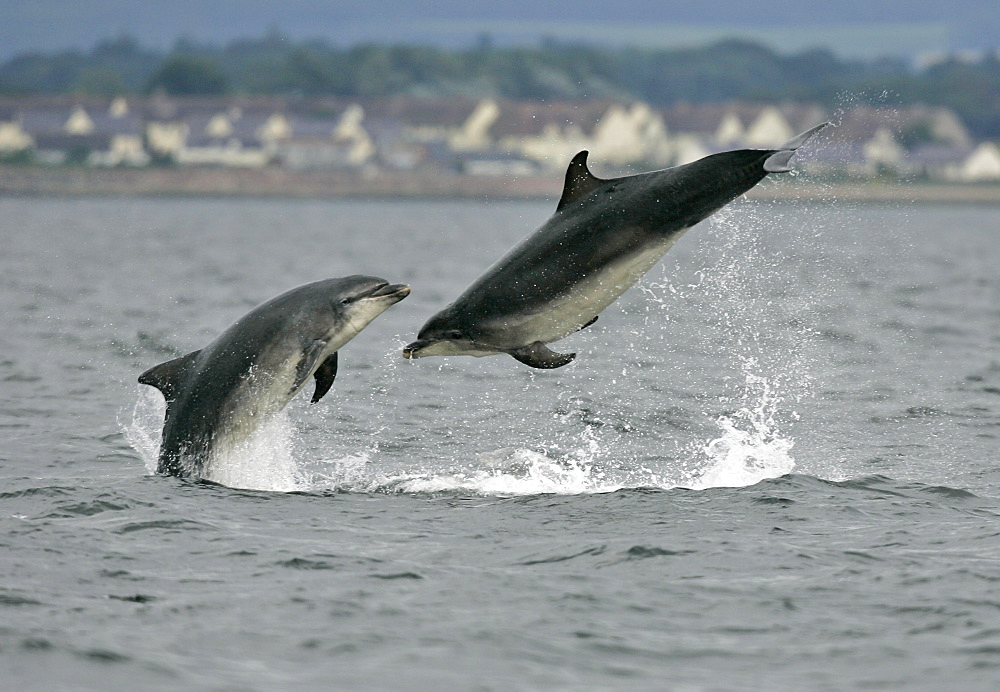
773	464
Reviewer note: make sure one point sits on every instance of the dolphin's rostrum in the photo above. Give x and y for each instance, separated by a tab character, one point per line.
604	235
218	396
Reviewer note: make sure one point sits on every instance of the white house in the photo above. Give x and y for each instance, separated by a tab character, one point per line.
327	143
474	132
768	130
13	138
625	135
983	164
551	134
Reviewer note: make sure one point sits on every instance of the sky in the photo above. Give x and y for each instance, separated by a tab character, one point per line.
851	28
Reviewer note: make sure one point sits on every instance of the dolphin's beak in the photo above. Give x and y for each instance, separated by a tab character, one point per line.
397	291
413	350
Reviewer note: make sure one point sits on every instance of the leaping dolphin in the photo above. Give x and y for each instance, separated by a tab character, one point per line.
218	396
604	235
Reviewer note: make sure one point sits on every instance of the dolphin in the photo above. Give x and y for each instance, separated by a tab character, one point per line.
604	235
218	396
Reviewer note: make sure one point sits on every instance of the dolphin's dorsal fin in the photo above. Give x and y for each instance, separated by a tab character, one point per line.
167	377
325	374
580	182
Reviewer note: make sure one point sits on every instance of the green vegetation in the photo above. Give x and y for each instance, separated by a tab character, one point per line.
729	70
187	75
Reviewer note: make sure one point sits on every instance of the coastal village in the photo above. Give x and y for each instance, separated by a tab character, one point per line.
477	138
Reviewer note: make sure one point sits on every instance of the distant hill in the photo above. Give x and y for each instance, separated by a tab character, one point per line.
851	28
730	70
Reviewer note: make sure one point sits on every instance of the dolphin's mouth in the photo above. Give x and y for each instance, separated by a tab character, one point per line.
421	348
398	291
413	350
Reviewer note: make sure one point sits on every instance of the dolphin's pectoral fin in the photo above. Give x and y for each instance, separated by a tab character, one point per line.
310	357
538	355
325	375
588	323
167	377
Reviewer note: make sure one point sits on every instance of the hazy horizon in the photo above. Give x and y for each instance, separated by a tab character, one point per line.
851	29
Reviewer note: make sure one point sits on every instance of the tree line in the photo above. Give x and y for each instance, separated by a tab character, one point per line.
728	70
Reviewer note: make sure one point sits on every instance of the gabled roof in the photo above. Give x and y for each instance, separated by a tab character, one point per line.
57	141
700	118
50	115
530	118
705	118
416	112
938	154
861	123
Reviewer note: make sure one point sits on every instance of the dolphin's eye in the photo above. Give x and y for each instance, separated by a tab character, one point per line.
454	334
346	301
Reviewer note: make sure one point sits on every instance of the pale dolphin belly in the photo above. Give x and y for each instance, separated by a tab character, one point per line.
263	392
572	309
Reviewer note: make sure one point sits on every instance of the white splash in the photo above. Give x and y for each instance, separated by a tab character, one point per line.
144	430
751	448
351	472
502	472
509	472
265	461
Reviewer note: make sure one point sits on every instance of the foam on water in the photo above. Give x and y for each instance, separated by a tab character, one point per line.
519	471
751	448
265	461
747	451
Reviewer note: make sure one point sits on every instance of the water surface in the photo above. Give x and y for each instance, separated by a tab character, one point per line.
774	464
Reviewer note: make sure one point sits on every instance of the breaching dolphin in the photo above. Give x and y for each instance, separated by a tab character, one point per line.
604	235
218	396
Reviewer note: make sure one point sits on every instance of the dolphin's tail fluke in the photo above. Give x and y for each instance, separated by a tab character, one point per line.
778	161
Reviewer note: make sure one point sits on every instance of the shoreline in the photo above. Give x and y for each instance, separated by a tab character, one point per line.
36	181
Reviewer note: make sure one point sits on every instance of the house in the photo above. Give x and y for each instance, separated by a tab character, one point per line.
124	130
717	127
331	142
982	165
93	132
165	138
956	164
914	125
481	137
220	137
426	121
241	133
351	133
633	134
550	134
453	131
473	134
14	141
883	153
